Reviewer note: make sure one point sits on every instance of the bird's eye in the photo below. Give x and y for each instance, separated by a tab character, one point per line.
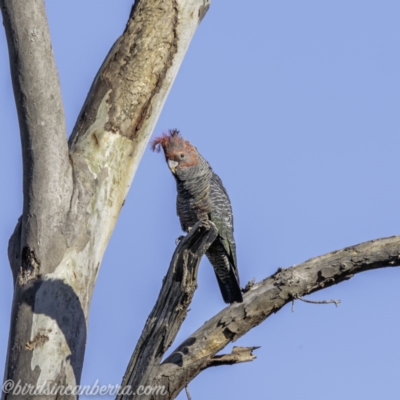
182	155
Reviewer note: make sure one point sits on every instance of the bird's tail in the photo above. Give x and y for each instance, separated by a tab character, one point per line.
230	288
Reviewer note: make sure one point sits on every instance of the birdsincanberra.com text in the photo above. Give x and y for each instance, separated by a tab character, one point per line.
51	389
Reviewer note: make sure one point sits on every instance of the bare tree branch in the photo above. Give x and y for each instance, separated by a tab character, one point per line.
189	397
170	310
336	302
72	198
238	355
72	201
47	179
37	245
198	352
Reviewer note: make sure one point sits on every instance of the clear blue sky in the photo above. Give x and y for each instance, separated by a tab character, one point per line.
296	106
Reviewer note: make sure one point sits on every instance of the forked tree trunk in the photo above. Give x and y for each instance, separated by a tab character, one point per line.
73	194
72	197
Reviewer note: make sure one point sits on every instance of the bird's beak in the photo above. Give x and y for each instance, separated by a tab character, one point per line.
172	165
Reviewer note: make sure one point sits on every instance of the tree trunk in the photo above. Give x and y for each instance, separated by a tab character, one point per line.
73	195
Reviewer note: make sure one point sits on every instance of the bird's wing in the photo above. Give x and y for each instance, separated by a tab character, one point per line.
222	217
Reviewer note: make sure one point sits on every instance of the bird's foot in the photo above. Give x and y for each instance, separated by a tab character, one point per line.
205	223
178	239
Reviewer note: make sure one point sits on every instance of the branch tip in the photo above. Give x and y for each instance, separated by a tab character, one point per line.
297	297
239	354
187	393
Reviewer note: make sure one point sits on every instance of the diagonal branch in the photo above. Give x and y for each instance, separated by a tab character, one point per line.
198	351
47	180
170	310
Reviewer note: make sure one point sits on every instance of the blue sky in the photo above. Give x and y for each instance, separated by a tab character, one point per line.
295	104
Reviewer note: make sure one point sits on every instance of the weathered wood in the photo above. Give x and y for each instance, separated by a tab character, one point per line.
238	355
171	307
72	196
198	351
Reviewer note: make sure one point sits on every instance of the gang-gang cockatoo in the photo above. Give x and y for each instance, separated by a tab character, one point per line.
201	195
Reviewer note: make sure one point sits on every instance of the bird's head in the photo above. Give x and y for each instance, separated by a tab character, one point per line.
179	153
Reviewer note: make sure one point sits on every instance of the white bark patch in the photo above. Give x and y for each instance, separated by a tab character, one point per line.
113	160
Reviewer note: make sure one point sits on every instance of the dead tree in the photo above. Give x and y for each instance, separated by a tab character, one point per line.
73	192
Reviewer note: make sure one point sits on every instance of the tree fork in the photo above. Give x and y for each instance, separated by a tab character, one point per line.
261	300
73	193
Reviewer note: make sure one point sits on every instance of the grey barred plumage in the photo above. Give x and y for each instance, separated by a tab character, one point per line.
193	199
201	195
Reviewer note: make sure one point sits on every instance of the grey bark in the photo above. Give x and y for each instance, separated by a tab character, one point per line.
37	245
73	193
170	310
198	351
